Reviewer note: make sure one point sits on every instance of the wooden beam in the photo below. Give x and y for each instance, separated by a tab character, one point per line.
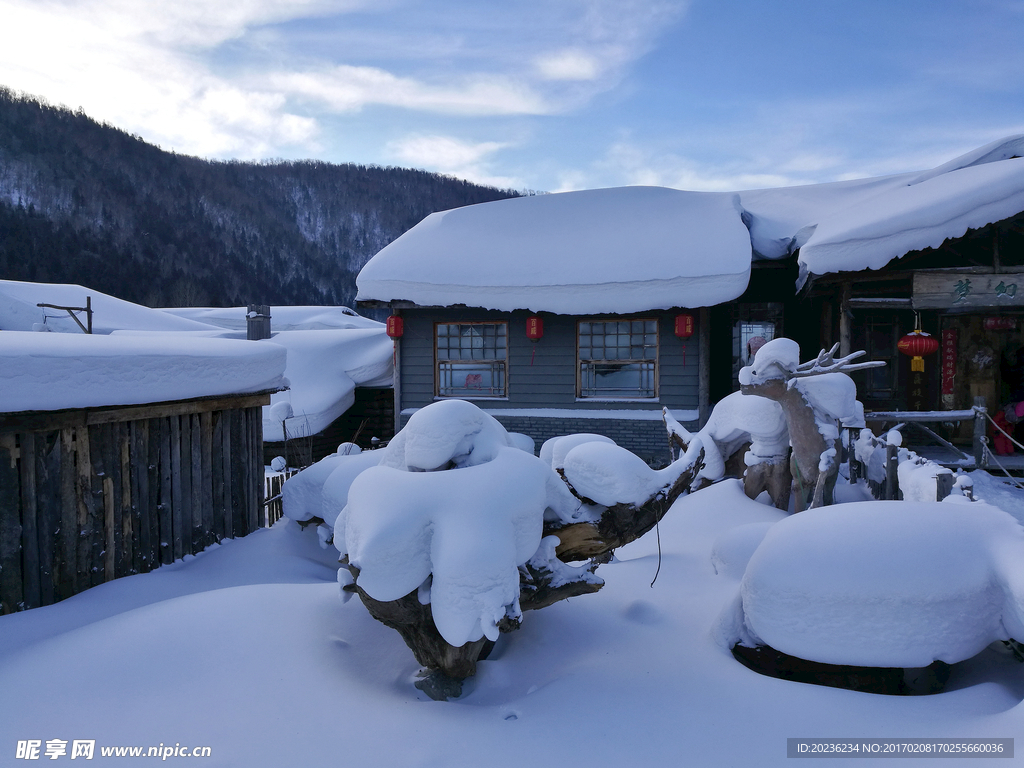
44	421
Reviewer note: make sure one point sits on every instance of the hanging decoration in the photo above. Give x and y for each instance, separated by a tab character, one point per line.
394	327
534	328
917	344
684	326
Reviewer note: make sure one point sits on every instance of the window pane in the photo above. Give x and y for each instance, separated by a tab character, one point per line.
618	359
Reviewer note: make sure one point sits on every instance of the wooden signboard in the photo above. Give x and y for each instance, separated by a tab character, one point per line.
956	290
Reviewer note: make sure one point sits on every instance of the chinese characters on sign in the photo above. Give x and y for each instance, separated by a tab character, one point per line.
948	365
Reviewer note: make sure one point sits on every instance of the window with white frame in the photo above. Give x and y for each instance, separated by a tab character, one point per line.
618	359
472	359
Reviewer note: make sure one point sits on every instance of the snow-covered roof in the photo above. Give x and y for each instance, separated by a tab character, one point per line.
19	310
324	369
605	250
54	371
139	355
299	318
638	248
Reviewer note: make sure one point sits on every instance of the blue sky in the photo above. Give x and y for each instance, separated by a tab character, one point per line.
540	94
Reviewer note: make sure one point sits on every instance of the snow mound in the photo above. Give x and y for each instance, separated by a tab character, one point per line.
555	449
468	530
890	584
448	431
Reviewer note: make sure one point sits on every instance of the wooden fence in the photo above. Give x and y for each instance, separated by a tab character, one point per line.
89	495
274	510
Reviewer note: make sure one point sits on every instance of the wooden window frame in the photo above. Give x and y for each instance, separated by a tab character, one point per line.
439	362
655	362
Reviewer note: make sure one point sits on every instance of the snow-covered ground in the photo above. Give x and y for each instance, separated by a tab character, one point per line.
248	649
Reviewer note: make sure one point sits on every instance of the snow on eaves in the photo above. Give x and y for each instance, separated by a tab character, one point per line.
870	234
324	368
619	250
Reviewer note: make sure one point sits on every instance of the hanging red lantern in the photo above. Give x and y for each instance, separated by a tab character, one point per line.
917	344
684	326
534	328
394	327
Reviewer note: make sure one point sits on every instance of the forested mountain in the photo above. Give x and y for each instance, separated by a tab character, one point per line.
82	202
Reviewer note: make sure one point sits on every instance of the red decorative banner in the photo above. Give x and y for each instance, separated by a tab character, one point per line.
949	350
1000	323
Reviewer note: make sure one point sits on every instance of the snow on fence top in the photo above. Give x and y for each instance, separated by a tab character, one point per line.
624	250
54	371
638	248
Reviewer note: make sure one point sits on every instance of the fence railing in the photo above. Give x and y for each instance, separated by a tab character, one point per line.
273	509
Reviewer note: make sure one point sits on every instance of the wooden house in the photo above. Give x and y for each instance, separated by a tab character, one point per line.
577	312
650	298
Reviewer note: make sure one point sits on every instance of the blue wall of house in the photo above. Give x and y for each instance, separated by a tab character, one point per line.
542	375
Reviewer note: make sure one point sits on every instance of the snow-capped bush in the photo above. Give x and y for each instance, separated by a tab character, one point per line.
885	584
467	530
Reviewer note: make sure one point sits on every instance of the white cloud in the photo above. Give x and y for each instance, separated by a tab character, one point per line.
347	88
444	154
568	65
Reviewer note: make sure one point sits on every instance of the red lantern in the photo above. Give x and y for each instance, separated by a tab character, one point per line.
684	326
534	328
917	344
393	328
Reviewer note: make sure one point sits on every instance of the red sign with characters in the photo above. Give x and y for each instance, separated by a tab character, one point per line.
1000	323
948	360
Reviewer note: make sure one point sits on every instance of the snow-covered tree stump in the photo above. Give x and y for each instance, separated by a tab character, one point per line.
455	533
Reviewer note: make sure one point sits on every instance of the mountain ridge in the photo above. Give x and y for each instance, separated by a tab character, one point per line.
86	202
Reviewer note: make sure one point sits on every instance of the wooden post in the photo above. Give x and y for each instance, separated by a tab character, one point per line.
11	590
29	522
206	449
196	483
979	432
704	365
68	516
48	497
845	321
177	499
892	483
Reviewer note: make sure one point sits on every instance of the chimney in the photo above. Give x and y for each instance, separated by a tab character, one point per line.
257	322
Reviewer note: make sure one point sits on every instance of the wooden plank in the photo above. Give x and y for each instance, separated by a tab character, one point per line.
48	494
139	494
177	505
206	461
11	589
217	475
67	565
165	504
196	483
41	421
256	425
962	290
153	469
239	474
83	494
99	440
31	595
125	544
231	527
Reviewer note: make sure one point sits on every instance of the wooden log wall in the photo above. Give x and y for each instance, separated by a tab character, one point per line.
91	495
